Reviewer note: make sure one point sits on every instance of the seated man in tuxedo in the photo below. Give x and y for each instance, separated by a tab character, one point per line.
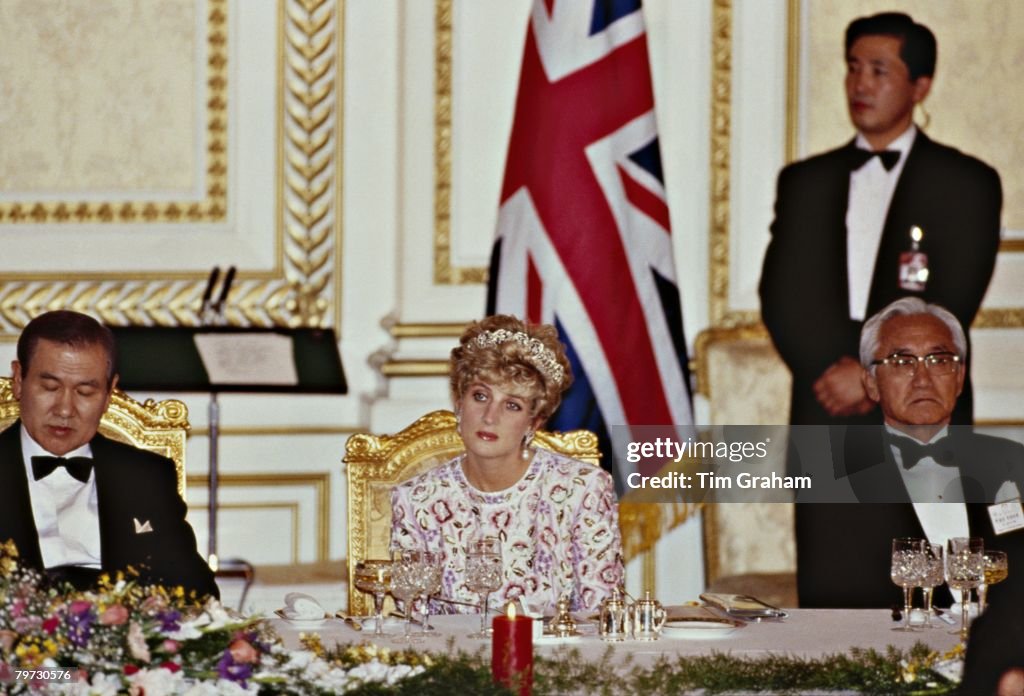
916	476
74	502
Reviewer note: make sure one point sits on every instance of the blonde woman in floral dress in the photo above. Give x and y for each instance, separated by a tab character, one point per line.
556	517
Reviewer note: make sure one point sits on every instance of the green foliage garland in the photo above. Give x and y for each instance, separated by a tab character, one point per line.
863	671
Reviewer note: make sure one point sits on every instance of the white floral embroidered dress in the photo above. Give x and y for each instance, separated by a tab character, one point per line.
559	527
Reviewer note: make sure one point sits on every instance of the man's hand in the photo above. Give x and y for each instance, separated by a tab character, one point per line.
840	391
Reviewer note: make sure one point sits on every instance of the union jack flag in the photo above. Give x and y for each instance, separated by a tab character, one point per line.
583	230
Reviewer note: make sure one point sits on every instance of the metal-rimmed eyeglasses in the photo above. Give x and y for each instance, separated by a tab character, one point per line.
905	364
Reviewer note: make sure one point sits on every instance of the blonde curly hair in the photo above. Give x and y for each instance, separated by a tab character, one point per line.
527	360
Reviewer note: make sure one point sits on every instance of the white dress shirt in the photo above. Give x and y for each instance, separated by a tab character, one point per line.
66	511
871	189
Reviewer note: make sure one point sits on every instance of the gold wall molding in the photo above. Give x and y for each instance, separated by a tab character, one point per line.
303	286
444	272
293	508
279	430
426	329
319	481
414	368
213	206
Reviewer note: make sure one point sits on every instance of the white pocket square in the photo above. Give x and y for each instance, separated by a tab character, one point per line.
142	527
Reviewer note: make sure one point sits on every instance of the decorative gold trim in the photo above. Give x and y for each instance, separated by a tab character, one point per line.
157	426
279	430
721	131
293	507
792	78
213	208
444	272
320	481
298	290
426	330
414	368
710	531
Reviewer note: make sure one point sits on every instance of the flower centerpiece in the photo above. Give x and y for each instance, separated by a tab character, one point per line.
124	637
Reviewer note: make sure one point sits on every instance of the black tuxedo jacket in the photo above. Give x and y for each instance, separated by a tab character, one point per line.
804	288
131	484
844	549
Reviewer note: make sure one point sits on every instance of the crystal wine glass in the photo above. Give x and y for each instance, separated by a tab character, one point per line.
932	576
965	569
374	577
997	569
905	571
484	575
431	569
405	586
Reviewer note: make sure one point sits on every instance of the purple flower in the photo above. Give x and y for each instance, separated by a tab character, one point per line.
80	619
228	668
169	620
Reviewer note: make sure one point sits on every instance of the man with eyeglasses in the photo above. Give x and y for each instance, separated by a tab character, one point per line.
916	476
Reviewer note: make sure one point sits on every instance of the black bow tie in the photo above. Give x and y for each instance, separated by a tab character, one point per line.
859	157
912	452
78	467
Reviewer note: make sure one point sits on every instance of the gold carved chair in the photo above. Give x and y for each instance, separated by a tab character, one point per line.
158	426
748	548
376	463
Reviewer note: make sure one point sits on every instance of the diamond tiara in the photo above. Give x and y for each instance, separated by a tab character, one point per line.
539	355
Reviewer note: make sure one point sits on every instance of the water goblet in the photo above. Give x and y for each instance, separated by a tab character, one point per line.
965	569
905	571
432	567
373	576
484	574
932	577
997	569
405	586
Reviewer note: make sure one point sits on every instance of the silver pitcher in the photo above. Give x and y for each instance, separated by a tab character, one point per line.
614	619
648	618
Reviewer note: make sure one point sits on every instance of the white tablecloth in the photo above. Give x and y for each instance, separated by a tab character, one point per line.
805	633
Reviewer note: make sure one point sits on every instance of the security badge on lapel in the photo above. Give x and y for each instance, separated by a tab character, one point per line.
914	263
1006	517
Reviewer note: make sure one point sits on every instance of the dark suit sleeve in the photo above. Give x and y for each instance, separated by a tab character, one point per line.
963	268
803	281
136	487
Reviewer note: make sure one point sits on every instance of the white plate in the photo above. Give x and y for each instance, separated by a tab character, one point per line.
700	629
302	623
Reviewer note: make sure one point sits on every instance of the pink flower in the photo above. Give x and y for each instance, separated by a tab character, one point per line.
243	652
18	608
171	646
80	606
7	639
114	615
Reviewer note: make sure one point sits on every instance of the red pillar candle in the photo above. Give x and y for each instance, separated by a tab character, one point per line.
512	651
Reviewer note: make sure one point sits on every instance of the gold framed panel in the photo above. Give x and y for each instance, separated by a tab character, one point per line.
320	482
302	286
720	314
212	205
445	273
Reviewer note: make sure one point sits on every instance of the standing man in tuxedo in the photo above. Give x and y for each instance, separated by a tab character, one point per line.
916	476
74	502
891	213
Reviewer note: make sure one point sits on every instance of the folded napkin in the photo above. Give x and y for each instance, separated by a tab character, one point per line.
301	606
